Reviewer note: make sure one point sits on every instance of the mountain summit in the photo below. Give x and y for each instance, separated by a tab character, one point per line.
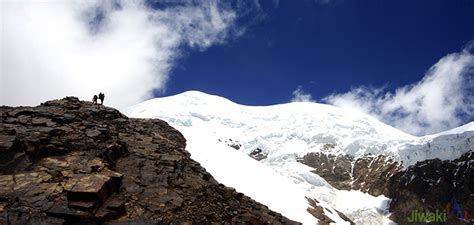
315	151
299	127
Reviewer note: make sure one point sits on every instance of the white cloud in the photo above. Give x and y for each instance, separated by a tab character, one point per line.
50	49
438	102
301	96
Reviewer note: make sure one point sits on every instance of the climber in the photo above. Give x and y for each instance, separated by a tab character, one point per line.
456	209
101	97
94	99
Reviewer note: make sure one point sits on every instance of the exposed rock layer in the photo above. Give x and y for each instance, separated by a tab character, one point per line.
369	173
68	161
426	186
430	185
317	211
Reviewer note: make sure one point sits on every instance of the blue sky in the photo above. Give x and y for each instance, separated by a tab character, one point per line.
328	48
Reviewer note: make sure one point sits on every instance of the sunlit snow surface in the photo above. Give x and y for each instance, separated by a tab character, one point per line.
286	132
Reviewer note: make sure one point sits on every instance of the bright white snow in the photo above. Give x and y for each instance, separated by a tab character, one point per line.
235	169
288	131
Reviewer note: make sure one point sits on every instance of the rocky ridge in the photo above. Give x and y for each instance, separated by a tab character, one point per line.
69	162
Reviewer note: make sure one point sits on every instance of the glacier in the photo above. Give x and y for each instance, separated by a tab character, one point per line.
215	127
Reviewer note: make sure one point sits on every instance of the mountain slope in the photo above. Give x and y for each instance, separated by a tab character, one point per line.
74	162
349	147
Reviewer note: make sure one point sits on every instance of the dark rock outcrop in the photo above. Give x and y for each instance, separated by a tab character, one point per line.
73	162
369	173
258	154
426	186
336	170
430	185
233	144
318	212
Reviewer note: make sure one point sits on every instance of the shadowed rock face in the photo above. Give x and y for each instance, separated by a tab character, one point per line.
430	185
426	186
68	161
369	173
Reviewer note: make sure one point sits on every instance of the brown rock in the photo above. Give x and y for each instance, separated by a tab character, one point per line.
93	133
39	121
11	153
61	210
369	173
318	212
89	206
6	185
69	161
91	187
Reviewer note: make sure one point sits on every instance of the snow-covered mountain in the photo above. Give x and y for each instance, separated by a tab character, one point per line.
286	138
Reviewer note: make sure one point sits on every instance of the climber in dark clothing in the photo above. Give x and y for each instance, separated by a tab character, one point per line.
94	99
456	207
101	97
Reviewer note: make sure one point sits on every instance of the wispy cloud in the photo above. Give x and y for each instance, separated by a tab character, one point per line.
443	99
299	95
126	49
